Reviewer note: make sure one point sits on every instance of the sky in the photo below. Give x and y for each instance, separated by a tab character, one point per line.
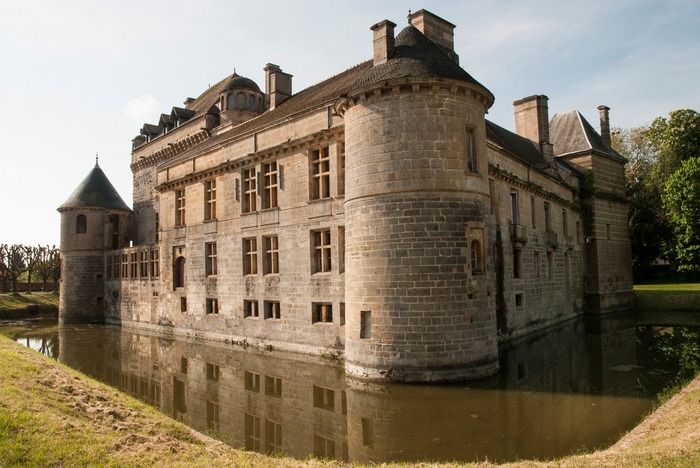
80	77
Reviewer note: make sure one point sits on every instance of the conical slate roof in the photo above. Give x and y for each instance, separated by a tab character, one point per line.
415	56
95	191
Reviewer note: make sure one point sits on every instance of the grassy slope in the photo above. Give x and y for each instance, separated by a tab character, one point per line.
21	301
53	415
667	296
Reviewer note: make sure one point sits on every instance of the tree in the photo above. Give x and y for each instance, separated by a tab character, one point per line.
682	200
15	263
4	276
674	139
31	257
43	265
55	260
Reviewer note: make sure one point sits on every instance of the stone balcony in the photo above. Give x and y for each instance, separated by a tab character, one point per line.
518	234
550	239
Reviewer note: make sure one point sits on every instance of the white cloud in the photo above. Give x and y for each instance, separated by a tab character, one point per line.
144	108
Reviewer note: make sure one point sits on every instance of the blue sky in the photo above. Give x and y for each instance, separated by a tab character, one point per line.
80	77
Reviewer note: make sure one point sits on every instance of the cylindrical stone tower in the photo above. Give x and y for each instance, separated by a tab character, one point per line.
416	193
93	219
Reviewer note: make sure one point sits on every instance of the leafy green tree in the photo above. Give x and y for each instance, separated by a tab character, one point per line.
674	139
682	200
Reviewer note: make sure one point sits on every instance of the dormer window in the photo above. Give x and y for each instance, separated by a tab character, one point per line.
229	102
251	103
81	224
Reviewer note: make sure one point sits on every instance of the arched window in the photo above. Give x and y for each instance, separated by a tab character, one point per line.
229	102
179	273
240	101
251	103
476	257
81	224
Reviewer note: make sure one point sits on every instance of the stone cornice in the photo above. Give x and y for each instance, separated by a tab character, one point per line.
301	144
531	187
169	151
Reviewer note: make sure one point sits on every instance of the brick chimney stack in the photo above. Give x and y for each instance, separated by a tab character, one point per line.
383	41
604	113
278	85
532	122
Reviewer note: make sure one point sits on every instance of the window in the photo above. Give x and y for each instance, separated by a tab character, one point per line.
183	365
240	101
476	255
272	310
134	264
321	312
533	212
341	168
342	314
607	231
251	103
320	174
536	260
269	185
179	273
249	188
273	437
155	263
250	256
213	417
514	211
550	264
324	398
519	300
180	207
547	217
321	251
365	324
229	103
516	263
210	199
252	431
144	263
564	223
341	249
251	381
183	304
270	255
250	309
212	372
212	306
323	447
367	433
109	266
210	262
81	224
156	234
492	195
578	232
116	267
273	386
125	265
471	150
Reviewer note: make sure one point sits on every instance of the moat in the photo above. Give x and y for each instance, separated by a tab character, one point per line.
575	387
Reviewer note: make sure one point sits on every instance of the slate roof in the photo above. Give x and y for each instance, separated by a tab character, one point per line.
515	145
570	133
95	191
415	55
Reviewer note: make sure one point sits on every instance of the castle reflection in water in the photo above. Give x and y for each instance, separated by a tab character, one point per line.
575	386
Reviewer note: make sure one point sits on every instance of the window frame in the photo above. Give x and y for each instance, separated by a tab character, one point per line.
180	207
320	173
271	264
211	267
210	200
250	256
249	186
321	251
270	180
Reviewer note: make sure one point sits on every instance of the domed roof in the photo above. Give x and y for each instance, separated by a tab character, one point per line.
240	82
95	191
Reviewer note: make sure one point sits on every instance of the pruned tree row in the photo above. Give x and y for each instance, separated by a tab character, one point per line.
28	262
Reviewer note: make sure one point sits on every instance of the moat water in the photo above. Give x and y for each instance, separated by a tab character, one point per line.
575	387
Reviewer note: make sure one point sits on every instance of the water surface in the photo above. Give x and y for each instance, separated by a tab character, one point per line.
577	386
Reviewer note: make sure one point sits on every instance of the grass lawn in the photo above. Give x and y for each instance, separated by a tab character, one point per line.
20	301
667	296
668	287
51	415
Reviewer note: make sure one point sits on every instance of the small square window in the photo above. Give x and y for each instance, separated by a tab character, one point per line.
321	312
272	310
250	309
212	306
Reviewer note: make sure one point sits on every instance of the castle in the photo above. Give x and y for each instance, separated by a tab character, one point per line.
376	217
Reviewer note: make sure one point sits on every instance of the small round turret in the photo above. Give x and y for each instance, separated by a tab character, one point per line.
240	100
93	219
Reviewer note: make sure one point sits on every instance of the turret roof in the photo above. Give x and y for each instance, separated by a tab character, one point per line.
95	191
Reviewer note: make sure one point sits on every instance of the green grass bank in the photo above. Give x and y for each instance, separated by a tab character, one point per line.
51	415
667	296
21	305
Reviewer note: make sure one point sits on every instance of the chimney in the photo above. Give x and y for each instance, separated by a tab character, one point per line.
383	41
438	30
532	122
278	85
603	112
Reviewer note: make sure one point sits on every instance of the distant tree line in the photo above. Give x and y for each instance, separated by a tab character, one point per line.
663	189
29	262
